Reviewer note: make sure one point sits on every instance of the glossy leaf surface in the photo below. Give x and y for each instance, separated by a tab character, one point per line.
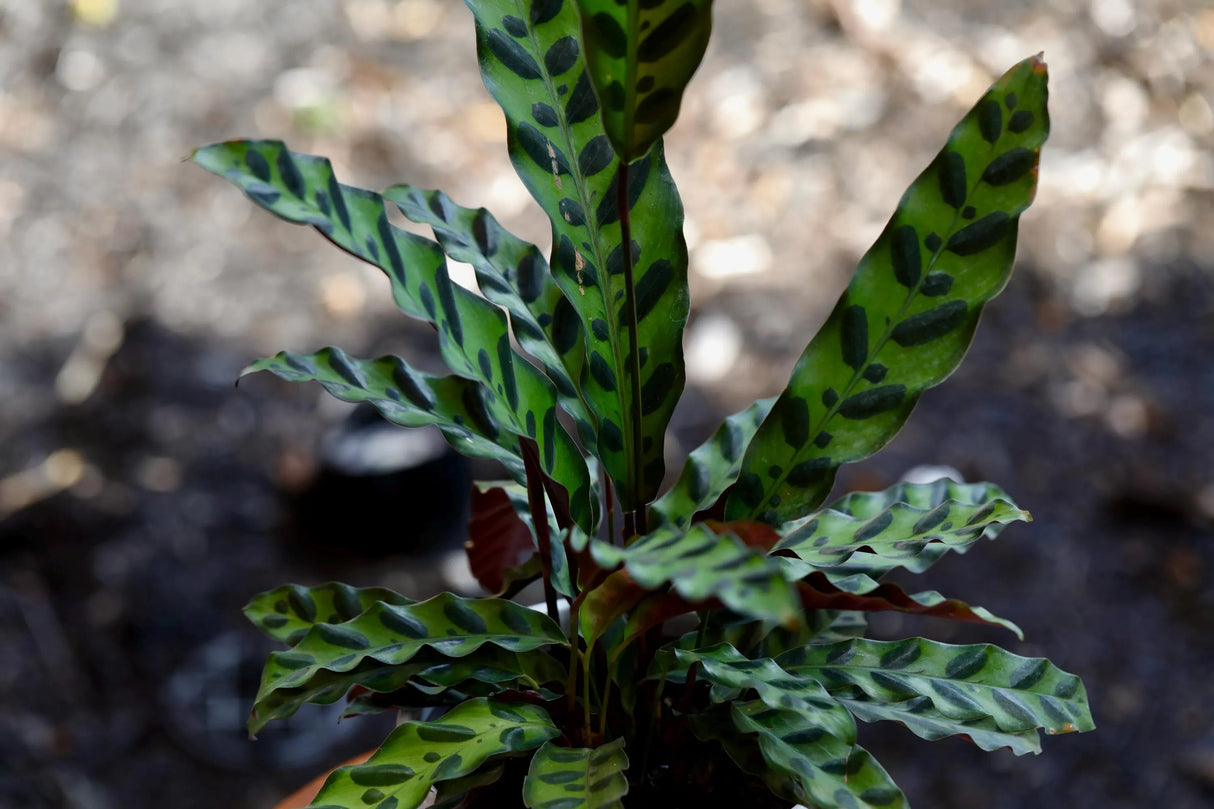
419	755
473	335
286	613
921	717
642	54
908	525
910	310
533	66
964	683
577	778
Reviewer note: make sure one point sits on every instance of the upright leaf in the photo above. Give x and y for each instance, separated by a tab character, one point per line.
419	755
908	314
473	335
286	613
577	778
641	54
533	66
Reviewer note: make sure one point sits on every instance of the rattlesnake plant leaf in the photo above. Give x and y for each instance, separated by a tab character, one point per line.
419	755
533	66
700	564
473	337
820	590
453	793
407	397
908	525
515	275
910	310
286	613
577	778
449	625
489	515
921	717
799	762
641	54
963	683
711	468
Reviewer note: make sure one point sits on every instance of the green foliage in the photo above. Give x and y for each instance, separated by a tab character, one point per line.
769	590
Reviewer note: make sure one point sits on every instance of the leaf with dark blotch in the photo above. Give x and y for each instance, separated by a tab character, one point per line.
577	778
932	247
419	755
286	613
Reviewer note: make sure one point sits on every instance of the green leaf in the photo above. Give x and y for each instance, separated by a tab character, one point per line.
451	626
473	337
641	57
711	468
907	316
407	397
909	525
963	683
921	717
799	761
700	564
513	274
451	794
577	778
420	754
286	613
533	66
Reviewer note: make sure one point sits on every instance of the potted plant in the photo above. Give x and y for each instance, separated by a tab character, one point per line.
712	626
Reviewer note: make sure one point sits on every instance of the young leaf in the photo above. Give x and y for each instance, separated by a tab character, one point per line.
419	755
577	778
641	54
962	682
700	564
711	468
407	397
533	66
286	613
909	525
908	314
473	336
499	544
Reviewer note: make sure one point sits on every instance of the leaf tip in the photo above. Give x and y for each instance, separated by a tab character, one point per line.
1038	63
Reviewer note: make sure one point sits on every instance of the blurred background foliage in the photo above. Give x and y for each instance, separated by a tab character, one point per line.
144	498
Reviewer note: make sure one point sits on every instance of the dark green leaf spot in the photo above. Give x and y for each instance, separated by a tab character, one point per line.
930	325
380	775
512	56
905	255
342	636
561	56
602	371
854	333
872	402
258	164
582	102
936	284
403	623
1020	121
1010	166
605	34
544	115
806	473
794	420
874	527
544	10
596	156
952	178
990	120
658	387
611	436
875	372
515	26
438	732
966	664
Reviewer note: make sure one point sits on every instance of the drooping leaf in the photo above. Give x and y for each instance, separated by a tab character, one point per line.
533	66
452	626
577	778
419	755
963	683
798	761
921	717
908	525
407	397
641	54
700	564
286	613
908	314
711	468
515	275
473	337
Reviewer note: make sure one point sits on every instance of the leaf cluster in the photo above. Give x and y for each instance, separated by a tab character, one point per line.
717	620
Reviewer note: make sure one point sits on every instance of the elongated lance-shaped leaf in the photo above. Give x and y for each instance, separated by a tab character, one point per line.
515	275
641	54
908	315
577	778
408	397
909	525
448	624
428	672
700	564
921	717
533	66
711	468
419	755
286	613
472	332
963	682
800	762
731	672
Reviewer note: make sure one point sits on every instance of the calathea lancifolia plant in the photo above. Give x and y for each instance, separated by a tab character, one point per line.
720	620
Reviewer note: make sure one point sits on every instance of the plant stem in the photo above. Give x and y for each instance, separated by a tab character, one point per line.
539	519
637	524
